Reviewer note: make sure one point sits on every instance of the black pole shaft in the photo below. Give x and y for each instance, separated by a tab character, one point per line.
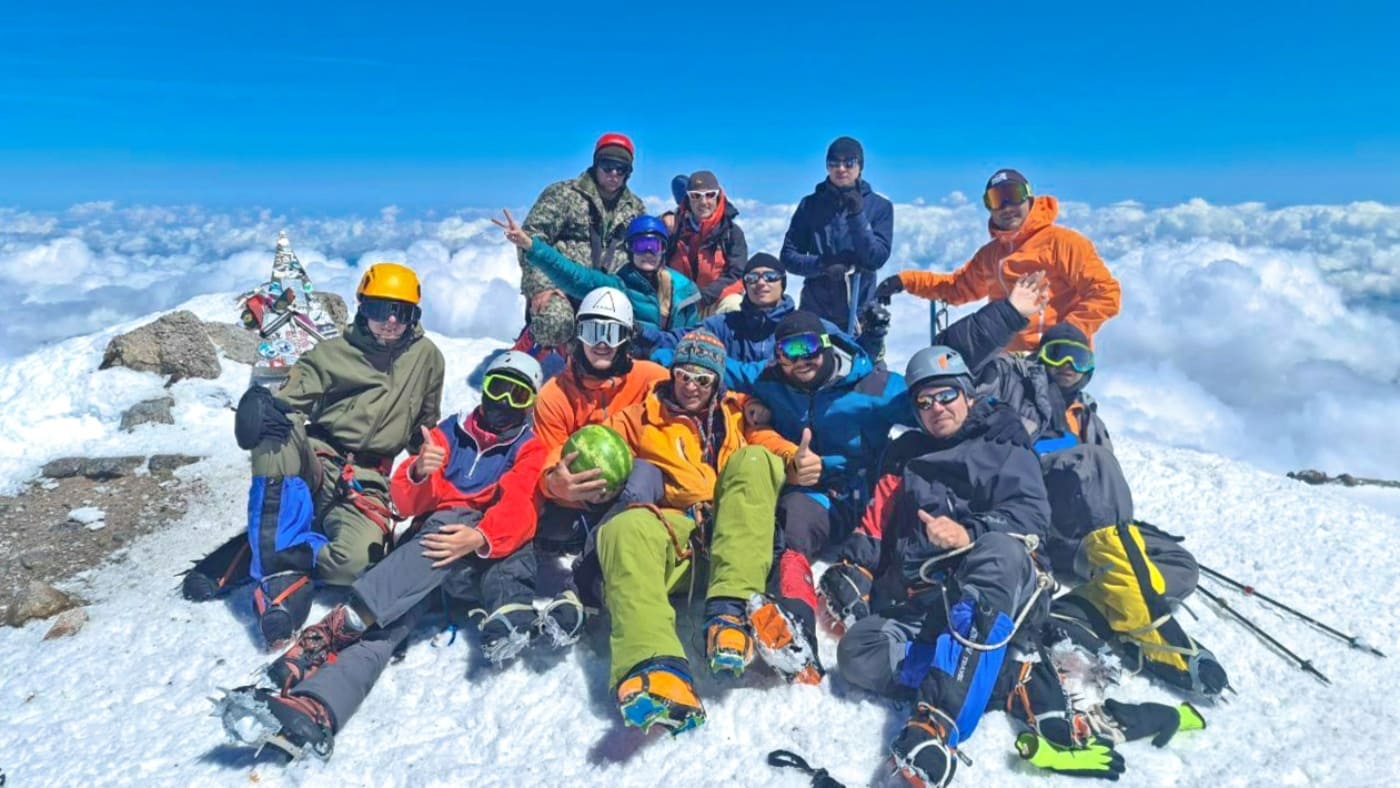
1351	640
1304	664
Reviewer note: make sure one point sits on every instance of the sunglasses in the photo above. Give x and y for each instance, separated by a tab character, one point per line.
701	379
381	309
647	244
1059	352
707	194
603	332
498	387
849	163
944	397
800	347
614	166
1004	194
754	277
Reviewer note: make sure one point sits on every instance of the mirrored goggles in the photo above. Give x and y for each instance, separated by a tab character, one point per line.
646	244
800	347
614	166
381	309
754	277
849	162
1004	194
703	194
1059	352
603	332
943	397
702	379
516	393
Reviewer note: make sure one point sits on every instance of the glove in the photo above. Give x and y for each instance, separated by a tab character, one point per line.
1095	759
845	587
853	202
887	288
1158	720
261	417
874	319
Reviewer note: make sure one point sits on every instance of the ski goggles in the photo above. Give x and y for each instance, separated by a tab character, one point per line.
614	166
754	277
944	397
381	309
646	244
702	379
498	387
703	194
849	162
603	332
1006	193
1059	352
800	347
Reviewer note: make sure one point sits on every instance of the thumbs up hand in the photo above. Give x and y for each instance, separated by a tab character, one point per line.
430	457
805	468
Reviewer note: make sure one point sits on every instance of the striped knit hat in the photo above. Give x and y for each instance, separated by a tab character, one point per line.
702	349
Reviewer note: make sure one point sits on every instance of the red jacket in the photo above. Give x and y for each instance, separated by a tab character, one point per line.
495	475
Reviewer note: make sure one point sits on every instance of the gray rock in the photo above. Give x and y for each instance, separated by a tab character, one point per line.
68	623
104	468
165	463
235	342
335	308
64	468
174	345
40	600
151	411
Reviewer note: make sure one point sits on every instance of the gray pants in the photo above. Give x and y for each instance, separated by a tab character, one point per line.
396	590
997	574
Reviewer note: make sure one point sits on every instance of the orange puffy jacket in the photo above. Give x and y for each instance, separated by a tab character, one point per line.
671	441
570	401
1082	291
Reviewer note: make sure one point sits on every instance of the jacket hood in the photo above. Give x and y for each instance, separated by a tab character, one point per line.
756	316
1044	211
852	363
361	339
865	190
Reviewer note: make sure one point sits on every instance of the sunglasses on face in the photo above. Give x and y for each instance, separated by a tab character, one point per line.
603	332
1004	194
849	163
754	277
498	387
800	347
614	166
707	194
944	397
381	309
1059	352
647	244
701	379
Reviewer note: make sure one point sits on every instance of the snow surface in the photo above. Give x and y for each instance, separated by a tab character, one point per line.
91	517
124	700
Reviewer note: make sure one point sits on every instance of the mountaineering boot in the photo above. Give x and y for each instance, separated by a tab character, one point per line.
921	752
317	644
660	692
561	621
295	724
785	644
217	573
282	602
507	632
728	646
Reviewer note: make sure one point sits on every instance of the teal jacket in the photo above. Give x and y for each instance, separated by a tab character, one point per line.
576	280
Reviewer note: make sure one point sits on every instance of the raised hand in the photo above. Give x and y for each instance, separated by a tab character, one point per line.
514	233
805	469
1030	294
430	457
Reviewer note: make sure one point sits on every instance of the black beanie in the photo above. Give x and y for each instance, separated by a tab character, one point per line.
798	322
844	147
765	260
1064	331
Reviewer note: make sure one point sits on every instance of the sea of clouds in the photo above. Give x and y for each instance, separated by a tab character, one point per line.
1266	334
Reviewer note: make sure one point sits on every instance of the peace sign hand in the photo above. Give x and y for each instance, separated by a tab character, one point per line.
514	233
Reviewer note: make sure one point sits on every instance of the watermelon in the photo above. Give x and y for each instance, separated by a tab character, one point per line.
601	447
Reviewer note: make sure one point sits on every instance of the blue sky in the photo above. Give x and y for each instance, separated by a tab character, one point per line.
323	107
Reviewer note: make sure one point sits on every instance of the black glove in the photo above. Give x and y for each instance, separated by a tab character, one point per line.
853	202
845	587
888	287
874	319
260	417
1158	720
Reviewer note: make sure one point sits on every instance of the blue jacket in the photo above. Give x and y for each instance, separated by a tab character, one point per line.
850	415
824	244
577	280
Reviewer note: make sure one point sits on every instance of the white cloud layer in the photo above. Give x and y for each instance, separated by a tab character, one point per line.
1265	334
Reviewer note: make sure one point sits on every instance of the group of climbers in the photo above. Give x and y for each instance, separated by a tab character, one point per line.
764	435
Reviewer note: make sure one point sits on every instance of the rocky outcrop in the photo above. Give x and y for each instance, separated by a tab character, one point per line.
151	411
175	345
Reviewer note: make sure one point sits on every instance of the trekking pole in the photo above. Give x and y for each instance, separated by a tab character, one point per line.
1248	590
1303	664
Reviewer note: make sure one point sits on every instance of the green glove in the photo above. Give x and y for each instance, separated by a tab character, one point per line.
1095	759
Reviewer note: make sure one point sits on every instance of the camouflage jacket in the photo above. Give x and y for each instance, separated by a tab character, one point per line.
571	216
